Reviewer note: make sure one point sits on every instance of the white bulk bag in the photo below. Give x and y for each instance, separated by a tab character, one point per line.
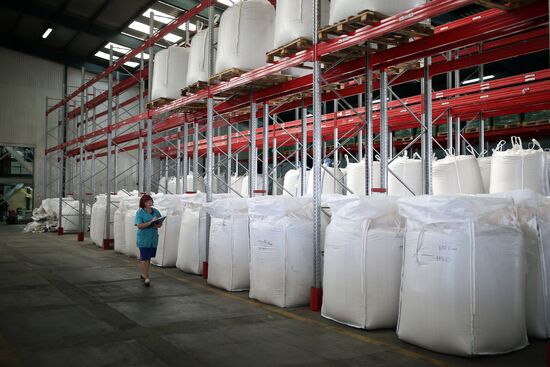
484	164
355	177
463	277
228	260
456	175
119	234
198	57
167	248
328	184
341	9
362	272
192	236
409	171
201	187
130	229
97	220
292	182
281	250
169	73
294	19
245	35
518	168
237	184
543	284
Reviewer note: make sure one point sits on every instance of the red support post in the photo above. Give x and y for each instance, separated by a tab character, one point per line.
316	300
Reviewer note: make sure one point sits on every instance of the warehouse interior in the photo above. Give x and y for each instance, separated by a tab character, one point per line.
339	183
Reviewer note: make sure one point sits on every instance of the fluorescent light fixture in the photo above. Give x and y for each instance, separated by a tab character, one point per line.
376	101
131	64
47	32
104	55
192	27
170	37
140	27
158	16
124	50
226	2
475	80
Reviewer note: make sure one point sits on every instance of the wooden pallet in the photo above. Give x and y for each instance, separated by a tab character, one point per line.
369	17
535	123
504	4
159	102
299	44
473	130
226	75
507	126
193	88
404	139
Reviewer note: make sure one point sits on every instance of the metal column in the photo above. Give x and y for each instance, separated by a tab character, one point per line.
185	155
316	292
274	173
252	153
229	158
265	148
195	157
81	206
368	117
178	163
141	161
449	116
106	239
427	120
383	129
149	163
303	173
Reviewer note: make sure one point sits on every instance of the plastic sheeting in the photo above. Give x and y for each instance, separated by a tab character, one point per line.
463	277
281	250
341	9
362	272
198	57
518	168
456	175
169	73
228	261
245	35
409	171
294	19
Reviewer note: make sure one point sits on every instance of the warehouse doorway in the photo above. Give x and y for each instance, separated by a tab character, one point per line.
16	183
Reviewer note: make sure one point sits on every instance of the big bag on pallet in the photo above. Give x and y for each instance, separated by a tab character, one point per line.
456	175
355	177
341	9
518	168
362	272
533	214
484	164
294	19
229	253
169	73
198	56
281	250
245	35
98	217
292	182
331	181
406	179
119	233
463	277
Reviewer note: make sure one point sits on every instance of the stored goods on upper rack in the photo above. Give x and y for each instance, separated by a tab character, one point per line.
404	134
245	35
464	262
197	71
294	20
536	118
504	4
169	73
473	126
506	121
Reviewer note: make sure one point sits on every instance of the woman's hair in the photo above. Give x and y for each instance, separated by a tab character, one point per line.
144	199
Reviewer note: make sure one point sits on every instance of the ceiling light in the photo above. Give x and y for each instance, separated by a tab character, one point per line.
104	55
158	16
47	32
475	80
170	37
131	64
140	27
226	2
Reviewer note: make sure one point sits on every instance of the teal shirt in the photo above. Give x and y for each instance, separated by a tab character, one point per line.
147	237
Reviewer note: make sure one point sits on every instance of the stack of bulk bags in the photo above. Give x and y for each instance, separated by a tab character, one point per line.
169	73
294	19
229	253
131	206
167	249
484	164
281	250
97	219
331	183
292	182
245	35
362	272
456	175
341	9
246	184
197	71
355	177
192	237
463	277
409	171
518	168
543	218
70	214
533	214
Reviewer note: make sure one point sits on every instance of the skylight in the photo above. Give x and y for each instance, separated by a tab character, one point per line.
144	28
226	2
124	50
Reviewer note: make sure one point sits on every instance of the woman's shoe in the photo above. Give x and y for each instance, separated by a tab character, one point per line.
141	277
147	282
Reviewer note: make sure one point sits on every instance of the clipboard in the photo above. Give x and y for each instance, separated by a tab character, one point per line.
158	221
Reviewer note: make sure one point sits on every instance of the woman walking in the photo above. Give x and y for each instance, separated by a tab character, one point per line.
147	235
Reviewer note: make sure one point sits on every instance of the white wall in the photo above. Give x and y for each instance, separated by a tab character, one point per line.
26	82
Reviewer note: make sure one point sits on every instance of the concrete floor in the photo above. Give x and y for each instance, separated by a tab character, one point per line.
65	303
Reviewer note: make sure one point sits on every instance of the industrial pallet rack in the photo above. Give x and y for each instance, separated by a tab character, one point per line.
206	122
